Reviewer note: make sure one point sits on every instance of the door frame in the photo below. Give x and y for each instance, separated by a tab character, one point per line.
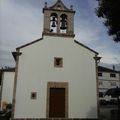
57	85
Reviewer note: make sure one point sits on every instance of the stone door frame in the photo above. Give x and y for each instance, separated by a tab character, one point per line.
57	85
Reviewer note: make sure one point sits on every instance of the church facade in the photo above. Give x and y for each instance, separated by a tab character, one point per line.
55	76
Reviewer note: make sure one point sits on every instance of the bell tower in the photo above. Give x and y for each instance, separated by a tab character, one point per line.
58	20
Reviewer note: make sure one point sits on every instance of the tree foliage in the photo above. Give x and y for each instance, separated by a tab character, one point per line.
109	10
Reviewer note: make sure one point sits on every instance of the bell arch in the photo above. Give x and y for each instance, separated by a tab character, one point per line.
53	22
63	23
58	20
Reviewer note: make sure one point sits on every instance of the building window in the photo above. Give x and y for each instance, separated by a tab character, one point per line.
101	94
58	7
113	83
100	83
58	62
112	75
99	74
33	95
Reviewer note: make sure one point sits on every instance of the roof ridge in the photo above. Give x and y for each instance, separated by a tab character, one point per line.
85	46
28	43
106	69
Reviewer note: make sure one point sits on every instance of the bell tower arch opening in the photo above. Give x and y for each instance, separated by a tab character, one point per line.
63	23
53	22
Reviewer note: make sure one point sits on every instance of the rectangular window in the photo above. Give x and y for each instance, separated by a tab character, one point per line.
112	75
33	95
113	83
100	83
101	94
99	74
58	62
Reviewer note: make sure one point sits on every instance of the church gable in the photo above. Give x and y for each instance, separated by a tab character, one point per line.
86	47
35	41
75	42
59	6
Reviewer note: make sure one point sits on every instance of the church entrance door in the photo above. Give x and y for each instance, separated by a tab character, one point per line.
57	103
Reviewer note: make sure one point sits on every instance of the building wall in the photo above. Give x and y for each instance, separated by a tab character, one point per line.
36	69
7	87
106	76
107	82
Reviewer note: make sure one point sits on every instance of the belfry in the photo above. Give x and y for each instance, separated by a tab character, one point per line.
58	20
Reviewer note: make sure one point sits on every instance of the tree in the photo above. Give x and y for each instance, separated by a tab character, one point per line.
109	10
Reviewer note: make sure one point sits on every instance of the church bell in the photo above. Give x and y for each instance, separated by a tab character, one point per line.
53	21
63	24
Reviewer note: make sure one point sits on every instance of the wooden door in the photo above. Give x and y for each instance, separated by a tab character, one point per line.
57	103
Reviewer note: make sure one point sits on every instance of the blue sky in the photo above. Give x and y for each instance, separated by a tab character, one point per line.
21	21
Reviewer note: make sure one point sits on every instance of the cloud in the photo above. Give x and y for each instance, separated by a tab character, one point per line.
90	30
86	34
20	24
6	58
109	58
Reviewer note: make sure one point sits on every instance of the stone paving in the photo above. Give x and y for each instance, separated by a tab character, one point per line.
109	112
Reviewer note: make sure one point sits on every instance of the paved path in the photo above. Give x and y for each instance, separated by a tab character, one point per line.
105	112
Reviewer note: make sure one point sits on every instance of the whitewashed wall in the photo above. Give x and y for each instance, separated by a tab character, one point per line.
7	88
108	82
106	76
36	68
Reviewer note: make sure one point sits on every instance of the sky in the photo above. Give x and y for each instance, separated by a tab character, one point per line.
21	21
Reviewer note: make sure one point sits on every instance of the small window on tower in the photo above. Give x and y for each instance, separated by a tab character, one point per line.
59	7
33	95
58	62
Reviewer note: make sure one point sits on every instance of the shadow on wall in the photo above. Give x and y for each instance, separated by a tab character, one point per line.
92	114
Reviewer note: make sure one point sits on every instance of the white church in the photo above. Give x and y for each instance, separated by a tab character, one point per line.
55	76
